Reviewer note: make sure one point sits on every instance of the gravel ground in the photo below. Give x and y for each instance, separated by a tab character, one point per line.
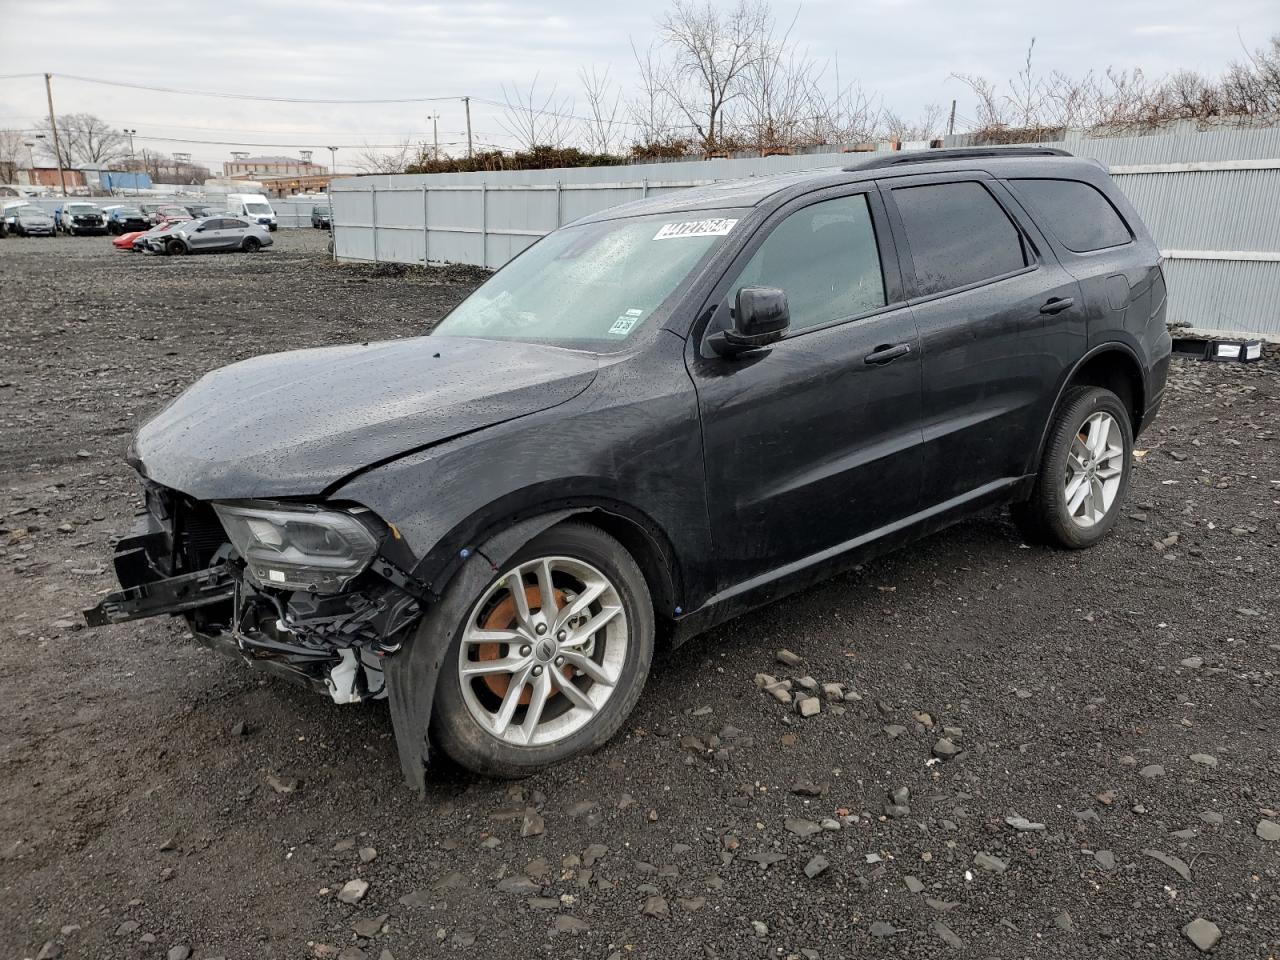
1032	753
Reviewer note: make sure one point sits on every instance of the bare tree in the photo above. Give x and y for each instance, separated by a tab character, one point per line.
653	114
395	160
534	120
86	141
12	153
712	49
779	88
603	126
925	127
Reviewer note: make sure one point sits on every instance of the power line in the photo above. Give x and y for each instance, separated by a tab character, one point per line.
248	96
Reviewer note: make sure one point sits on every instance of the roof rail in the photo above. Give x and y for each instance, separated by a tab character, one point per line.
955	153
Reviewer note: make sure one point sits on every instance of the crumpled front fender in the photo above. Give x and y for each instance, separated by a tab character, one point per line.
412	674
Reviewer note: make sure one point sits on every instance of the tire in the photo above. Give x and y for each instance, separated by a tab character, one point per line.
176	248
1072	465
621	649
251	245
71	231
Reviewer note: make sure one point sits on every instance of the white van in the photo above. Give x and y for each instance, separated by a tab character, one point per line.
254	207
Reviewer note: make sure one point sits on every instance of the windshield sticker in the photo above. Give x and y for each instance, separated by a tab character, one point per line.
622	326
716	227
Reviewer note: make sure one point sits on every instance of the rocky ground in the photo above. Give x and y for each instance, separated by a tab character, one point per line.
1028	753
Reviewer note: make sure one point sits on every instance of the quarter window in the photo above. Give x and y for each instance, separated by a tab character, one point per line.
958	234
1077	213
825	258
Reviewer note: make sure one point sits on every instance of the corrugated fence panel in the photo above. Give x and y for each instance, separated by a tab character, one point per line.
353	224
1233	296
1185	211
1220	227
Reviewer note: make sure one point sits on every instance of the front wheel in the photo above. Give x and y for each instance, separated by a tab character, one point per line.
1084	473
251	245
551	658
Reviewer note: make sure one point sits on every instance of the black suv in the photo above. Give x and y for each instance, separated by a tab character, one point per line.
656	418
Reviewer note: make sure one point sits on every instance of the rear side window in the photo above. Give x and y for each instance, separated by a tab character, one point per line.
958	235
824	256
1077	213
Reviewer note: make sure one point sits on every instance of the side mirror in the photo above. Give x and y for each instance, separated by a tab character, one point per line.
760	317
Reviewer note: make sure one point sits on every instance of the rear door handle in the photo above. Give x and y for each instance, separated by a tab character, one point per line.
887	353
1057	304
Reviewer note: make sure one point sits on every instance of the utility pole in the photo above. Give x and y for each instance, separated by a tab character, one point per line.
467	103
435	137
133	160
53	123
333	162
951	124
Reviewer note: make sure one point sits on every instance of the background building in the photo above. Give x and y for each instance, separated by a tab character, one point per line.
243	165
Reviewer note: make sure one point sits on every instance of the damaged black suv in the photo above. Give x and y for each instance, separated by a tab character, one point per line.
653	419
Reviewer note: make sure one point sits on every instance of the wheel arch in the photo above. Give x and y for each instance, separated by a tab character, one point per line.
642	536
1113	366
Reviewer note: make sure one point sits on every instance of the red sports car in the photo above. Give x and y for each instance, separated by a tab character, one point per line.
125	240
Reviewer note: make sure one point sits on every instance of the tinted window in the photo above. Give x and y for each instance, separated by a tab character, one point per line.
958	235
1077	213
825	258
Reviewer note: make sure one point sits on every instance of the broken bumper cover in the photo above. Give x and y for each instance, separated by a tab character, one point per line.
178	560
172	595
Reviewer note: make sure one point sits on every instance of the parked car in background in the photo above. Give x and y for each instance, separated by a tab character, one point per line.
76	218
125	241
141	241
656	418
252	206
124	218
23	219
320	217
201	210
32	221
216	234
170	212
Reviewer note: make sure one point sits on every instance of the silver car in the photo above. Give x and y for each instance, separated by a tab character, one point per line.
27	220
213	234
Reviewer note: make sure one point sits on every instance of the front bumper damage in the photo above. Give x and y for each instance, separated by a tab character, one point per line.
177	561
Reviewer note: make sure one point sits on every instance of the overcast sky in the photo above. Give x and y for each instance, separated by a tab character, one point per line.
902	50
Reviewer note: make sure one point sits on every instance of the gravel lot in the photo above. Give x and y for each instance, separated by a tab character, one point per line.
1114	715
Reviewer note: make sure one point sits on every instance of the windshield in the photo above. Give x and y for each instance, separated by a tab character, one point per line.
257	208
128	212
321	211
81	208
596	282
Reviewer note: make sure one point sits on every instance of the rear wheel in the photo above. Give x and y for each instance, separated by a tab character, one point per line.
551	658
251	245
1084	474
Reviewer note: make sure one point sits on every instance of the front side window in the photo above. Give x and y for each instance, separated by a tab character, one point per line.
824	257
958	235
1077	213
592	284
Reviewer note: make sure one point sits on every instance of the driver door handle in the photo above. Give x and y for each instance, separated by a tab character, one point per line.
887	353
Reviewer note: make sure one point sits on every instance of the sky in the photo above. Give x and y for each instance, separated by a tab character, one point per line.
904	51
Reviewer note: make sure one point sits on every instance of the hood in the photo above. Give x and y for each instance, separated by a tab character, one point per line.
294	424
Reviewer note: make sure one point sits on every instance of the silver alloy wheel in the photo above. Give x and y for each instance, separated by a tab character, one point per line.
542	651
1095	466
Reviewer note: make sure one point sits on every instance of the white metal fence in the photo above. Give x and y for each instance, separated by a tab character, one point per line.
1211	199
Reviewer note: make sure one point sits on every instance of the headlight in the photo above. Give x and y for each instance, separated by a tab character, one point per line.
298	548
